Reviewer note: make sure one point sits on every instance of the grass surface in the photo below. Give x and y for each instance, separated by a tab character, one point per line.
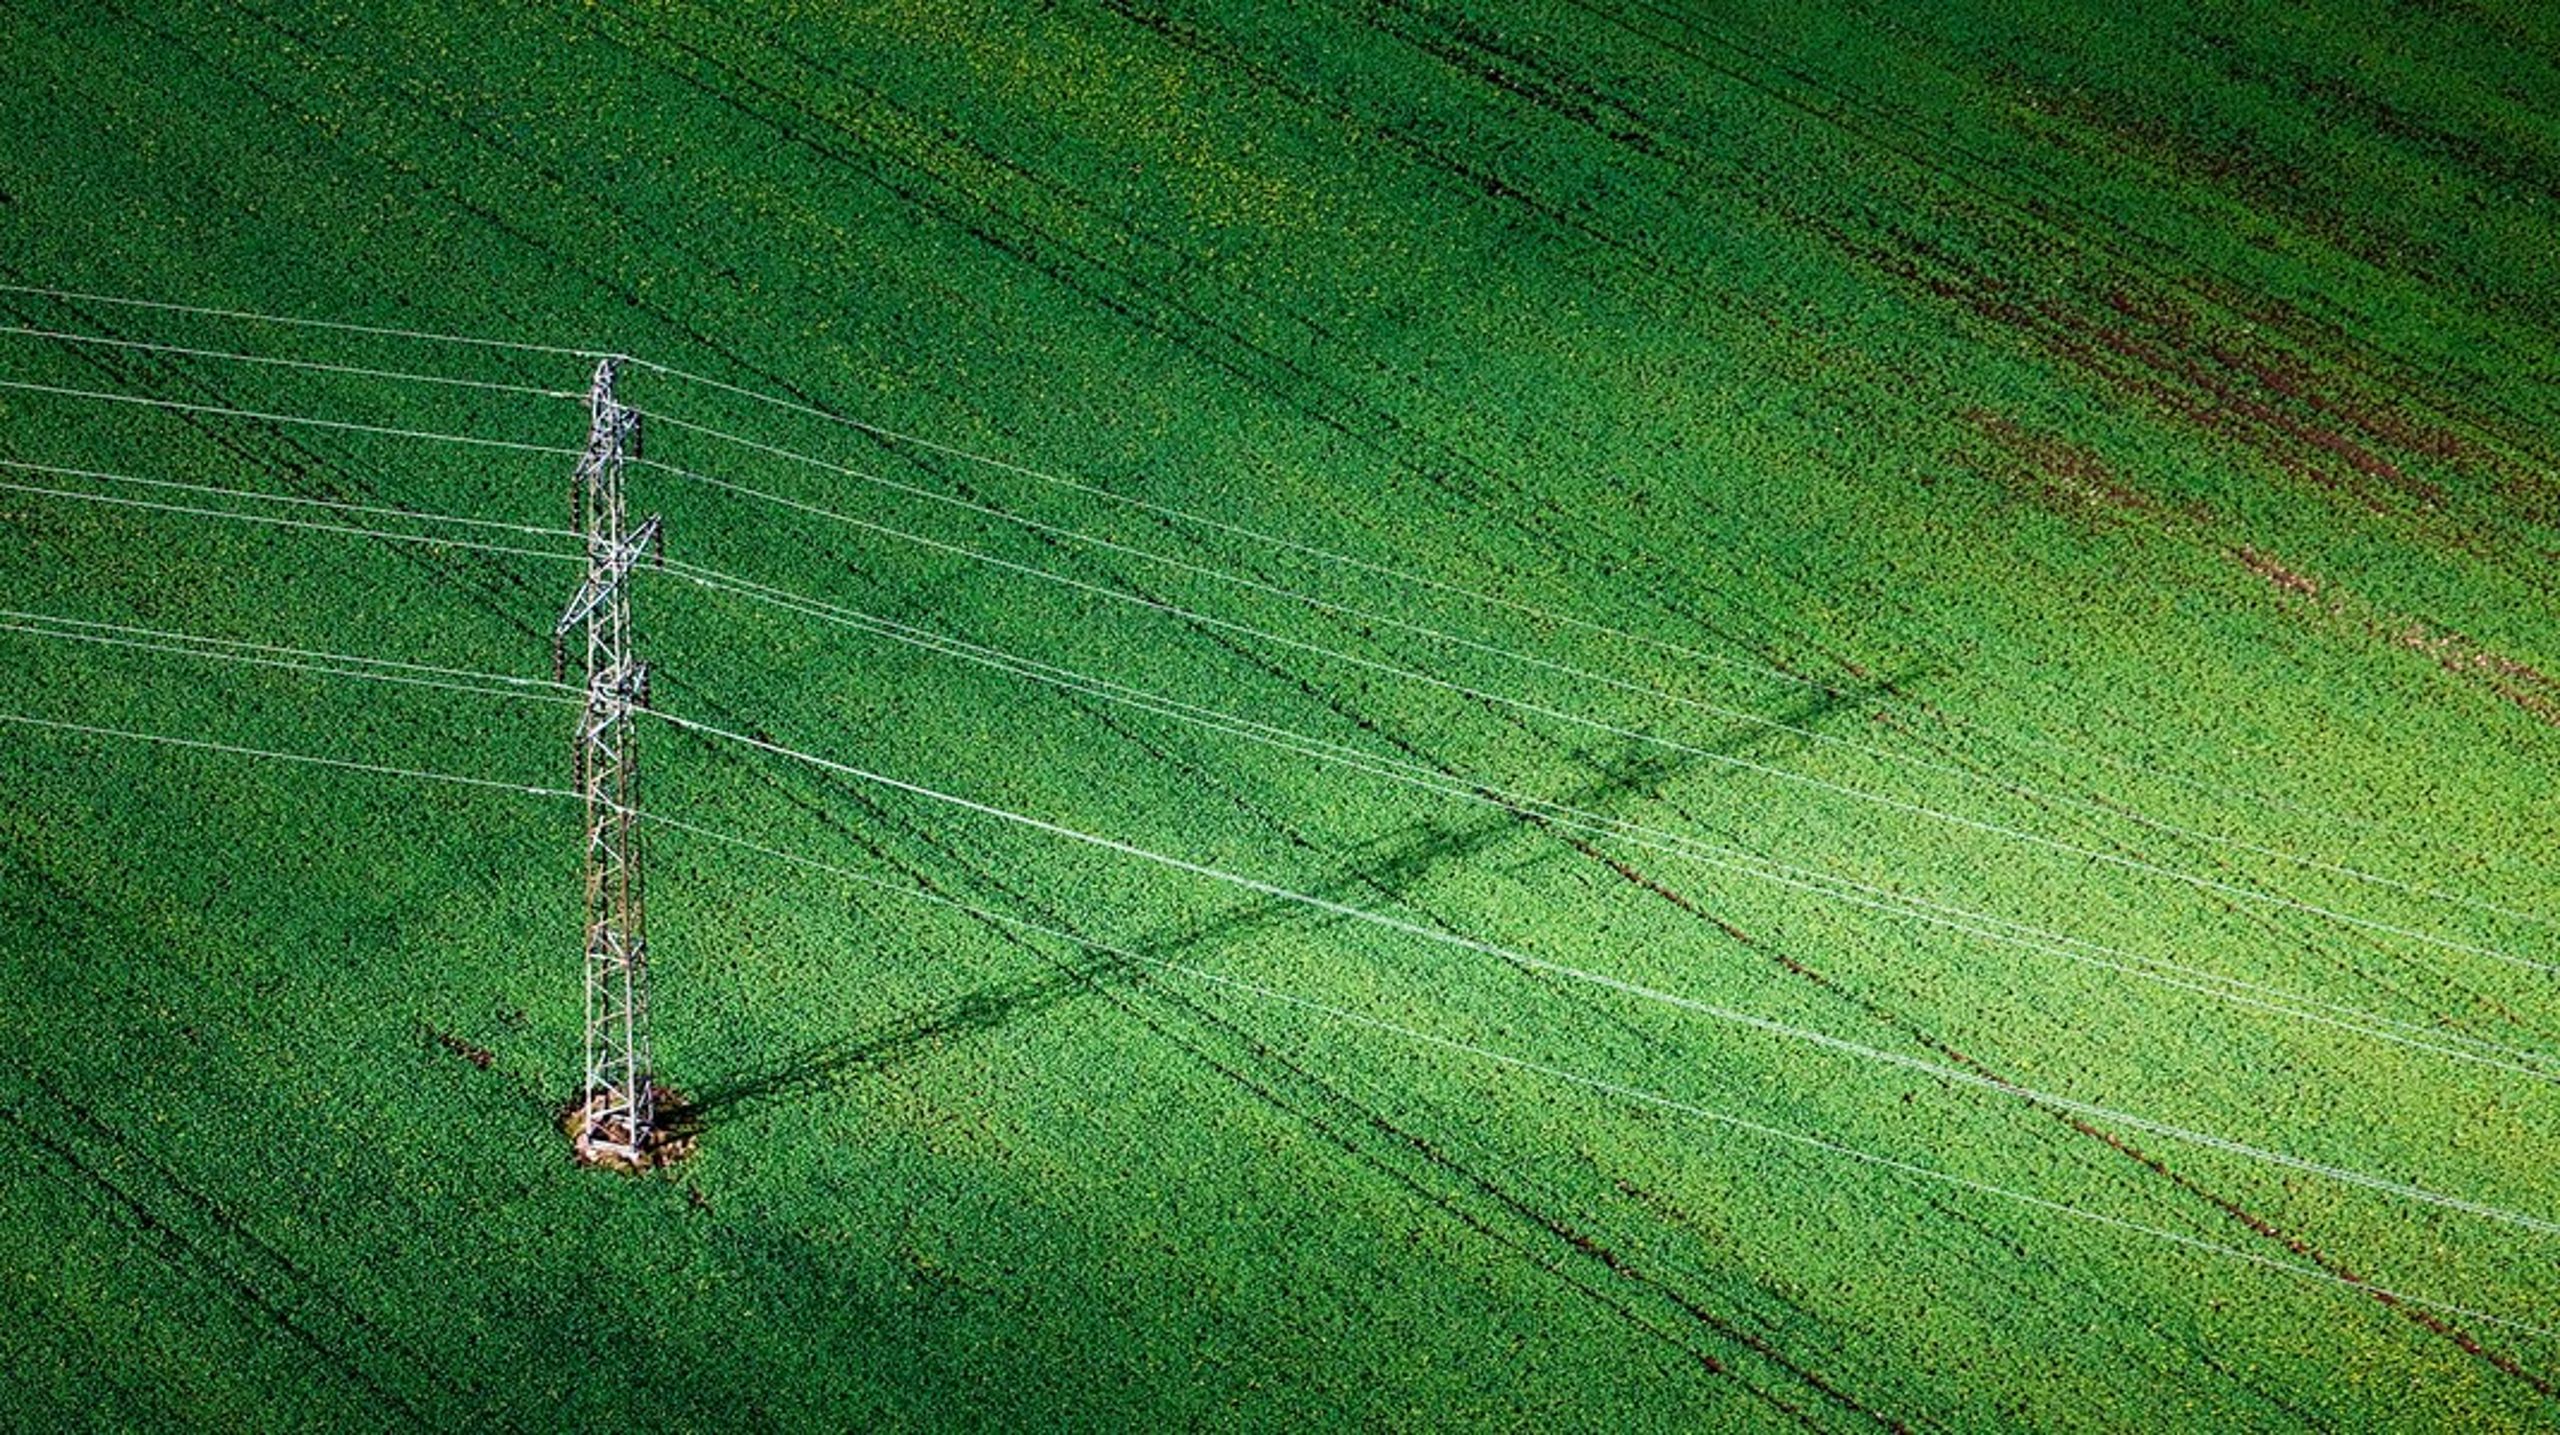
2088	473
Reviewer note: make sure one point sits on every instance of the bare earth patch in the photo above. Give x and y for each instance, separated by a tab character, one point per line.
672	1137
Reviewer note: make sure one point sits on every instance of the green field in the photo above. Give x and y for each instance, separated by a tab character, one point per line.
1851	719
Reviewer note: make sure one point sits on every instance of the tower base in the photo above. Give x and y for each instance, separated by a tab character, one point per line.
604	1143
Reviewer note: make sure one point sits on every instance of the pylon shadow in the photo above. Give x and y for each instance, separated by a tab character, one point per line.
1391	866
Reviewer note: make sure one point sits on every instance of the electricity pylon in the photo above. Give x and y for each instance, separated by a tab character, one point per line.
616	1105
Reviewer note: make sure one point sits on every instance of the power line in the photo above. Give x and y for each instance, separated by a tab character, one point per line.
276	521
2234	991
312	759
351	659
2221	791
1616	1089
297	322
1545	614
1274	540
219	410
1348	1017
1483	695
177	650
335	505
1183	565
2003	830
1731	1015
305	660
1579	674
1525	960
313	365
2346	1175
1759	668
1667	1103
1716	856
1411	674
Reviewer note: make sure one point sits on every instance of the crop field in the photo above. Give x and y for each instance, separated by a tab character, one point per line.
1436	714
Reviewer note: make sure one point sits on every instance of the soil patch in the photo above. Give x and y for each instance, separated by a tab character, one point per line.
673	1133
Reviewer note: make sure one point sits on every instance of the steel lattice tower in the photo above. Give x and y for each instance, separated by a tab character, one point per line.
616	1106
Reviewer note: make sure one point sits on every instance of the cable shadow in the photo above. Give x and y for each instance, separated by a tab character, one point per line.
1392	866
